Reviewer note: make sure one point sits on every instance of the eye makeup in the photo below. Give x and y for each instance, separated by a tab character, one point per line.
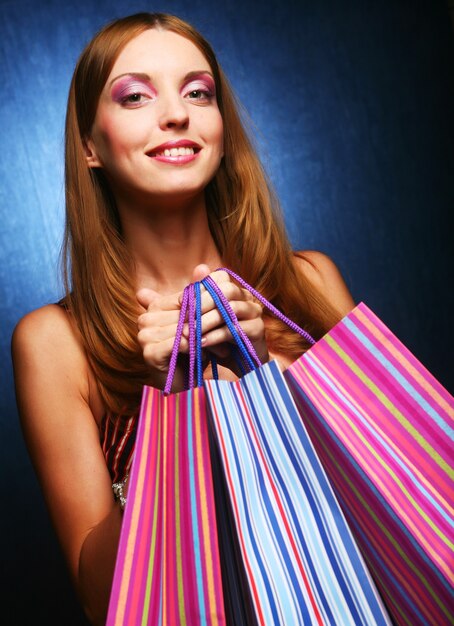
200	82
129	85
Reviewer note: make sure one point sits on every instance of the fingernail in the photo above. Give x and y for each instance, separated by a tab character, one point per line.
203	341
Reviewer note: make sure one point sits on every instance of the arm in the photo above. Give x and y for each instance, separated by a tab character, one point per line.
322	272
59	407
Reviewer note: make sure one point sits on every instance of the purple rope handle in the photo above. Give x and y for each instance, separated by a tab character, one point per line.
176	343
247	342
269	306
191	315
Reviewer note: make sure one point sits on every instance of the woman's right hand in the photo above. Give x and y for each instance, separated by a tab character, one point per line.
157	330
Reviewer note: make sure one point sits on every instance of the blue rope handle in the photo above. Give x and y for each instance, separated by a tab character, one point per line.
232	316
236	336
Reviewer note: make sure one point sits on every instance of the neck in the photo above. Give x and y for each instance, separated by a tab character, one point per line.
167	242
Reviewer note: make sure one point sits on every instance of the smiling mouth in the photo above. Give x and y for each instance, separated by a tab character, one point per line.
175	152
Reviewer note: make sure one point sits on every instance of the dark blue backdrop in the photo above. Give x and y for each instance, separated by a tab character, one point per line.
352	106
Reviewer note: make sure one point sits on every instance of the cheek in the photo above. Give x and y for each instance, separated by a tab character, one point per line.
116	136
217	131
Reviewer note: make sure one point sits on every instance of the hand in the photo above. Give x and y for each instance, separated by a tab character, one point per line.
216	337
157	330
157	327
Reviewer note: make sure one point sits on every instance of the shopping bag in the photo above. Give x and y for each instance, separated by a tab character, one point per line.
383	428
301	561
168	566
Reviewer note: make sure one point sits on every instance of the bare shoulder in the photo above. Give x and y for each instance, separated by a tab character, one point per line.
46	346
47	328
324	274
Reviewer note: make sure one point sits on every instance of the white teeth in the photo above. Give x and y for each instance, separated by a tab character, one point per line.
182	151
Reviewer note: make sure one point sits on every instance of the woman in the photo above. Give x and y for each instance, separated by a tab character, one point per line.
162	187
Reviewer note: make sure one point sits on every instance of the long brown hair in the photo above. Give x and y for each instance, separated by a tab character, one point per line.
244	218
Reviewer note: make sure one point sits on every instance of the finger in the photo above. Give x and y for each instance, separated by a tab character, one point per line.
158	318
213	319
146	296
156	334
152	300
254	329
157	353
230	291
200	272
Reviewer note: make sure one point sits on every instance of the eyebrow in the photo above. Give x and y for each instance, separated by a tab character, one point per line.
146	77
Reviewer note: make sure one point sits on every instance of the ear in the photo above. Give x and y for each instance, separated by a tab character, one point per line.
90	153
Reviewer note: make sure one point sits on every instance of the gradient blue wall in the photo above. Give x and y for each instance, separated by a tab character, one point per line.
352	104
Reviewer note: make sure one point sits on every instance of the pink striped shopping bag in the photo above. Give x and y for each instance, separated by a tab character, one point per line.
168	567
383	428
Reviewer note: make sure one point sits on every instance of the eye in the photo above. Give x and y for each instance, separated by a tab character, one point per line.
199	90
199	94
135	98
132	93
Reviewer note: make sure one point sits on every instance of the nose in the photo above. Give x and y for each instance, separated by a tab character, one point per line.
173	112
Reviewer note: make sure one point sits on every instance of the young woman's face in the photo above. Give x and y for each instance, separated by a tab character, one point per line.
158	130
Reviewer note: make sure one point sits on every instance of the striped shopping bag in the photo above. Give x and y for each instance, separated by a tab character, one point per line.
383	428
168	566
301	562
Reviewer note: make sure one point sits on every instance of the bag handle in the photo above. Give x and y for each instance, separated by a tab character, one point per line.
191	306
269	306
247	357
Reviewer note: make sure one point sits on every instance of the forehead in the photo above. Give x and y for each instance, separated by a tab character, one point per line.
160	51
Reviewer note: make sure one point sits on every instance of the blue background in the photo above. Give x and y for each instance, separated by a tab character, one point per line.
352	105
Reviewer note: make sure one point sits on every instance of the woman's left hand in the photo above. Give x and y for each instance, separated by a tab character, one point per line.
216	337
